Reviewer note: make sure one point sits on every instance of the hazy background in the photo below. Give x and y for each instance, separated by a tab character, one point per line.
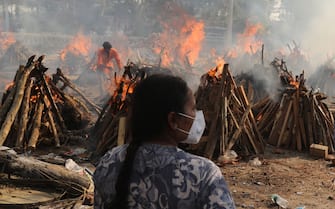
47	27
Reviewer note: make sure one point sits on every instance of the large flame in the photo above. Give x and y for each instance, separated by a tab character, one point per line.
248	41
181	39
80	45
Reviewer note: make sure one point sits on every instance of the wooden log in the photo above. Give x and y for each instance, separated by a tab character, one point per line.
11	95
213	131
24	115
284	125
274	134
73	102
296	126
5	128
66	81
52	123
303	132
54	107
239	129
35	133
252	120
80	104
224	122
104	111
30	167
122	131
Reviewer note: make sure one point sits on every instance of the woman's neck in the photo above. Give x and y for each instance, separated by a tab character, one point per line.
163	140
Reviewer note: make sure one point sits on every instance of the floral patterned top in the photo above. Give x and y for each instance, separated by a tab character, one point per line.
163	177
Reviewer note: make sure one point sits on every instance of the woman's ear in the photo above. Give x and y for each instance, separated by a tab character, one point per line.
172	122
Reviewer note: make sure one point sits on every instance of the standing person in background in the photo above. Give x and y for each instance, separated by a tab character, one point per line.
151	172
105	66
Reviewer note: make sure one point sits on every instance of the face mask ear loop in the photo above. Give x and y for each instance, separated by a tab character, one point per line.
186	116
183	131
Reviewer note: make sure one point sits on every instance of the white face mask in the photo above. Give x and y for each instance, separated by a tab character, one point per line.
197	128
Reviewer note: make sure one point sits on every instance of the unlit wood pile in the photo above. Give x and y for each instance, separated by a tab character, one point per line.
230	121
59	77
29	167
34	108
300	119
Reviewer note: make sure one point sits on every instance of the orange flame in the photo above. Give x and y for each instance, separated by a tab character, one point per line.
295	84
80	45
6	39
247	39
181	39
218	69
127	88
220	63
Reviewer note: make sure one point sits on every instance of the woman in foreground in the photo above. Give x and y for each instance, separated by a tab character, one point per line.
151	172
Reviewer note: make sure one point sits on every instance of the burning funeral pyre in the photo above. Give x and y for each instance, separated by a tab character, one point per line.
33	109
300	119
233	121
110	127
230	122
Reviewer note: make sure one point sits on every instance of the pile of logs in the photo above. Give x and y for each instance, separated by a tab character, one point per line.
59	77
29	167
34	108
300	119
230	121
110	127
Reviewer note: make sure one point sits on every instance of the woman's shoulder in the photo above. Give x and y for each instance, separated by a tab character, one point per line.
199	160
114	155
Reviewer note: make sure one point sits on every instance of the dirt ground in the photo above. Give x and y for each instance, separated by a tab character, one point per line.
298	177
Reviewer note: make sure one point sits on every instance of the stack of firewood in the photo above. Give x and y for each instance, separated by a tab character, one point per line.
300	119
110	127
34	108
230	121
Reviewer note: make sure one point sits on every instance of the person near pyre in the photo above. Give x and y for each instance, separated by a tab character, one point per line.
105	66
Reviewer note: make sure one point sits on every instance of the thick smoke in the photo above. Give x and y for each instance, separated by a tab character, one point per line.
305	24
